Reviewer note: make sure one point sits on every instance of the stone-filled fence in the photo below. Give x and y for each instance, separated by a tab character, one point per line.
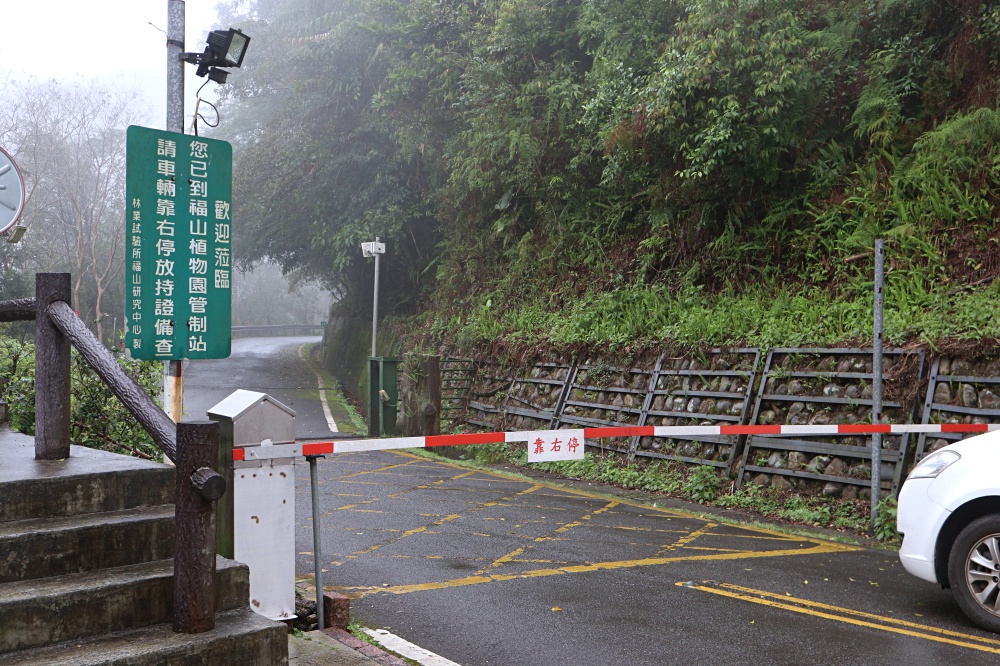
791	386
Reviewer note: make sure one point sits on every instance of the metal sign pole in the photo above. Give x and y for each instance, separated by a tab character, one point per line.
173	371
877	376
317	557
375	303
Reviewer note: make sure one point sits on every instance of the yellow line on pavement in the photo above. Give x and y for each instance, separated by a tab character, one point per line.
425	486
757	532
349	507
849	611
500	561
576	523
685	540
438	523
871	621
359	592
564	528
376	471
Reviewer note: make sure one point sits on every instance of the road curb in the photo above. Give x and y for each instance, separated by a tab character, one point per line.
373	652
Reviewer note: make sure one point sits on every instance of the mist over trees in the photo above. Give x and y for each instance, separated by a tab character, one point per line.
514	153
69	141
265	297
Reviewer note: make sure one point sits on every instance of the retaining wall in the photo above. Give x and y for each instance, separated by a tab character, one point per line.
792	386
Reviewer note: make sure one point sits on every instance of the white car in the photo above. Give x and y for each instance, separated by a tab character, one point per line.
949	518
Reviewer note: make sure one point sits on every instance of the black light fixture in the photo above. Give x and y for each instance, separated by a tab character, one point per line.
226	48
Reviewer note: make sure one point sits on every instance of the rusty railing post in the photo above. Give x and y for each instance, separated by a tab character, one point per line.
52	368
198	487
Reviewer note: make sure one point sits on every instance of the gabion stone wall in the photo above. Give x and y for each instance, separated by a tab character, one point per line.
959	391
823	387
714	390
746	387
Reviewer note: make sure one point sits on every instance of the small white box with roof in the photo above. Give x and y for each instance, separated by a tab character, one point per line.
259	518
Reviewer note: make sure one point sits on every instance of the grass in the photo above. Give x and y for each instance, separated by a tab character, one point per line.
344	413
766	315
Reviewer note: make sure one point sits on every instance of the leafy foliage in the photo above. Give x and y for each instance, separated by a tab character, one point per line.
885	520
589	171
97	418
703	484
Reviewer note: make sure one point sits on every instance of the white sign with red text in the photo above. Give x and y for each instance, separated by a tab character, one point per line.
546	445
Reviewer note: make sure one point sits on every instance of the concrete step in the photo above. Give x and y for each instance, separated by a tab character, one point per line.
89	481
39	612
240	637
46	547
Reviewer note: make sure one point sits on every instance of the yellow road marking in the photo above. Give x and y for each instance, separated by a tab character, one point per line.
568	526
520	551
807	545
425	486
659	512
849	611
685	540
438	523
376	471
871	621
349	507
359	592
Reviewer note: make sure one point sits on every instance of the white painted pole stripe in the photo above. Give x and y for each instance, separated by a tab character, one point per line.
351	446
357	445
687	431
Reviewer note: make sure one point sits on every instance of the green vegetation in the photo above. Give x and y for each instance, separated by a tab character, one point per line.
588	172
357	630
885	521
344	413
97	418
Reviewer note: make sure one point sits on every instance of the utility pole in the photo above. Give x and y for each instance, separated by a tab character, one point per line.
877	377
374	250
173	371
375	302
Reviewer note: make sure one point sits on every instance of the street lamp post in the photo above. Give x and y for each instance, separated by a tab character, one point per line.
173	378
375	249
225	49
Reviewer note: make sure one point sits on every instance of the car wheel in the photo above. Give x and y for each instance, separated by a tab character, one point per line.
974	571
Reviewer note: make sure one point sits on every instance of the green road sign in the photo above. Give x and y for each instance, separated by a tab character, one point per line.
178	258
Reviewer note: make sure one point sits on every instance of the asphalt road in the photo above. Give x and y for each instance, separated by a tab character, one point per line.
270	365
488	568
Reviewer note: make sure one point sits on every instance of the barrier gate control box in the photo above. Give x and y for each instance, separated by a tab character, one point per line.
256	518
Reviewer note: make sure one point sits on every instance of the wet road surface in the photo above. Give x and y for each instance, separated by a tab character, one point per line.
487	568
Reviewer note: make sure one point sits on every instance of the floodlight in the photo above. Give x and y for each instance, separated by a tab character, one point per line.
226	48
230	45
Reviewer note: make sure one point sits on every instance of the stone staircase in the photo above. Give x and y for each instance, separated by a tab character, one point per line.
86	568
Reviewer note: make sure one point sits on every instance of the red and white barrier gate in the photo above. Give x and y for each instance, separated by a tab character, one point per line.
544	445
